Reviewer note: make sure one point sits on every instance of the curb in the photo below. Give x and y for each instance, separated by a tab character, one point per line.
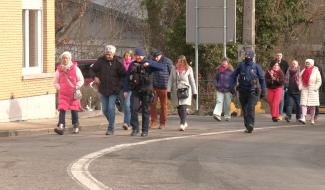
48	127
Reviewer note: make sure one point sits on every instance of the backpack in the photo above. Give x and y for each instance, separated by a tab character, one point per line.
248	76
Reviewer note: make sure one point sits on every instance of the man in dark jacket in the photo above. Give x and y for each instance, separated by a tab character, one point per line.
109	75
139	81
284	67
249	74
160	82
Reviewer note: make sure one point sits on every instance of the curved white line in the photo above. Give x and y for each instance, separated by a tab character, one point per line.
78	170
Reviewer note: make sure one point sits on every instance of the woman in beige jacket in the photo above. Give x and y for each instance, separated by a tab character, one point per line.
309	83
181	76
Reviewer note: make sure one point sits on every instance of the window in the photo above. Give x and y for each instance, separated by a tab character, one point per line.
32	36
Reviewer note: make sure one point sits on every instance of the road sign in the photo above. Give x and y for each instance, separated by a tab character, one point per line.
210	23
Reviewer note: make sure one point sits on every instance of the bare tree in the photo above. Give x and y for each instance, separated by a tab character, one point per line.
83	27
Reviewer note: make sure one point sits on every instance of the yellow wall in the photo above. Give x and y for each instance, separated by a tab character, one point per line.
12	81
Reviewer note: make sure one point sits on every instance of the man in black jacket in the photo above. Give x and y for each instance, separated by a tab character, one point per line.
109	75
139	81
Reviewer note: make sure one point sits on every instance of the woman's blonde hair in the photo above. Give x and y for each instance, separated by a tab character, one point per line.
129	52
183	59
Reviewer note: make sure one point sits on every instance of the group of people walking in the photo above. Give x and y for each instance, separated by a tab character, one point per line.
139	79
286	85
142	80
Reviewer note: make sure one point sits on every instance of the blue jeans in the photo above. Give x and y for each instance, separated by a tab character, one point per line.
293	100
108	104
127	109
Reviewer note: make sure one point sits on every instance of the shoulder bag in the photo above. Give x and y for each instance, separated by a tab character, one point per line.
182	93
77	95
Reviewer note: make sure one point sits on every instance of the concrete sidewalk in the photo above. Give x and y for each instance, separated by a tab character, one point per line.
89	120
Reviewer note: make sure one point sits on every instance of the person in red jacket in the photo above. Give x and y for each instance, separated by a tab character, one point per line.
274	81
68	78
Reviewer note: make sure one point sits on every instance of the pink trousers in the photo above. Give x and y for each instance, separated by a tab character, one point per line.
274	99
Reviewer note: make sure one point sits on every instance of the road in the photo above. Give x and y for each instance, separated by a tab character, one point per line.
209	155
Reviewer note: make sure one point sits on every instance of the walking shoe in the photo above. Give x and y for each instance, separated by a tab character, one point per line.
134	133
274	119
227	119
302	120
287	119
60	129
161	126
144	134
279	118
217	117
109	132
182	127
312	121
249	129
75	130
125	126
153	126
185	125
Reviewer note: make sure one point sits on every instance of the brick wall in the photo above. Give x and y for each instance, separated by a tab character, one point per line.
12	81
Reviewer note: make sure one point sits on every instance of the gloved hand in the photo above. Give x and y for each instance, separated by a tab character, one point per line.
194	96
169	95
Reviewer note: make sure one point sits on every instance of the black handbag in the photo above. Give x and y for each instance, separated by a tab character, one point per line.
182	93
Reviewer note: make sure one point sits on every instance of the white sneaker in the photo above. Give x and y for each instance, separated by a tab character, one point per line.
312	122
185	125
302	120
76	130
182	127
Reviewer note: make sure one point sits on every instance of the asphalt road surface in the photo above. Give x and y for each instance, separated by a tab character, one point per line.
209	155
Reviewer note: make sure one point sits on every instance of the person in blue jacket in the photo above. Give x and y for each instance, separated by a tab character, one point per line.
249	74
140	81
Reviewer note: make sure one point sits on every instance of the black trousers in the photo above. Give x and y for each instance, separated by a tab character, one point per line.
74	117
182	113
140	102
248	102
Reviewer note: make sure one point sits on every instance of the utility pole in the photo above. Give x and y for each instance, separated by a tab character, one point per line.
249	25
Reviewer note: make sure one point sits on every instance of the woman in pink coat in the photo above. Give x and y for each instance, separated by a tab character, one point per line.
310	81
68	78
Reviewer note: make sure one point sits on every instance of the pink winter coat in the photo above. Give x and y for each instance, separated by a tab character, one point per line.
65	98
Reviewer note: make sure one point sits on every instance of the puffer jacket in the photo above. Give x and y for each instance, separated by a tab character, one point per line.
223	81
160	78
310	94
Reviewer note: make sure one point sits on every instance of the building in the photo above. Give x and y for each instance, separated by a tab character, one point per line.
98	26
27	56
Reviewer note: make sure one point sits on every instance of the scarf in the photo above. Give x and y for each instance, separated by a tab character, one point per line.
66	67
306	75
180	68
126	63
222	69
292	72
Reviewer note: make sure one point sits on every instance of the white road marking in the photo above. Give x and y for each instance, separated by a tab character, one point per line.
79	172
